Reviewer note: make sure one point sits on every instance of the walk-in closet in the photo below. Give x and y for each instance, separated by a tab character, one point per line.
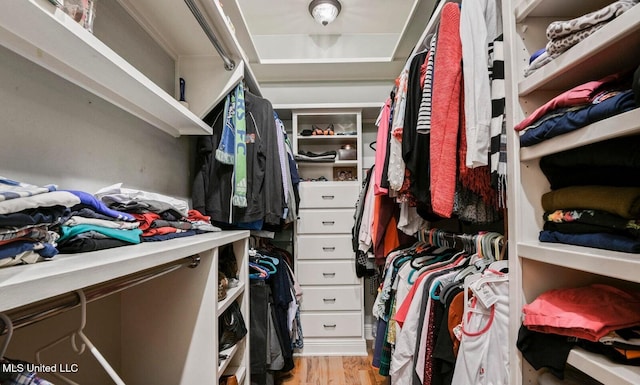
346	192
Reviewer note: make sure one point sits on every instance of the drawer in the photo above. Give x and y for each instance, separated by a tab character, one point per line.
324	247
333	221
327	273
331	298
329	195
331	325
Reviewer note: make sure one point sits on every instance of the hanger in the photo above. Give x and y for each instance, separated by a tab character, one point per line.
8	326
84	342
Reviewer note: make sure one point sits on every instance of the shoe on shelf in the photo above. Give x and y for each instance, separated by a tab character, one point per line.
223	284
329	130
317	130
229	380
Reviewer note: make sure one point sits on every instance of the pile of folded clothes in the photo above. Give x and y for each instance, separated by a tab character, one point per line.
595	195
564	34
578	107
600	318
308	156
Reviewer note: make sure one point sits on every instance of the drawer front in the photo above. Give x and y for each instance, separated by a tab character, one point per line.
336	221
327	273
324	247
331	325
331	298
329	195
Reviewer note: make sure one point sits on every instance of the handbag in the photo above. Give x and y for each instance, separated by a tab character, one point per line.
231	327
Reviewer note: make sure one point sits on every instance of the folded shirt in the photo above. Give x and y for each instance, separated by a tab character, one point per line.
613	162
581	94
558	123
588	312
622	201
558	29
581	221
613	242
11	189
54	198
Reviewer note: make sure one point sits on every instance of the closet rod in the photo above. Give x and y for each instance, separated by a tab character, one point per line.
38	311
228	63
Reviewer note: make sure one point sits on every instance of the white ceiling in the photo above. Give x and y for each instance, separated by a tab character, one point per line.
369	41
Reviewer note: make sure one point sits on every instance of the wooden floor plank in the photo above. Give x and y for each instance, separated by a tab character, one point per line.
334	370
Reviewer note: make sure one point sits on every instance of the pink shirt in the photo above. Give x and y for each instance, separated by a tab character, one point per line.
578	95
589	312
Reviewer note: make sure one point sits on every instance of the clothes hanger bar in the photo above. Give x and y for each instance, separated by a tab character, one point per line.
41	310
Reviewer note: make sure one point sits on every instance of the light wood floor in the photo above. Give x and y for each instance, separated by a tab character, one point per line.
334	371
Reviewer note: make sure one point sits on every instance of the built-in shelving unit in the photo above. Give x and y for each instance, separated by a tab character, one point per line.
539	266
101	103
73	53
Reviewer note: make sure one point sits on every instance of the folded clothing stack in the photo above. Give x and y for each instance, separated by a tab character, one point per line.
308	156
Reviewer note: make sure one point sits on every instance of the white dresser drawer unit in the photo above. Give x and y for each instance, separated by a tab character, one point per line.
331	221
324	247
329	194
332	324
327	273
331	298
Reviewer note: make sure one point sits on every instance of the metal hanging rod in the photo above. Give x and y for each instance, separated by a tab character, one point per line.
228	63
38	311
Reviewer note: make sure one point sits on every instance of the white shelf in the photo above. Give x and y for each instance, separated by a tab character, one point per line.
598	261
602	369
174	27
562	10
22	285
232	294
612	48
623	124
230	353
328	138
337	163
239	371
45	35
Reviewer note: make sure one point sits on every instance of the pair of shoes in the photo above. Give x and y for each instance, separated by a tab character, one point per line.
319	131
315	130
329	130
306	132
223	284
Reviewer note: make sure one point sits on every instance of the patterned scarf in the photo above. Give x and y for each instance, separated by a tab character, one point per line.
233	148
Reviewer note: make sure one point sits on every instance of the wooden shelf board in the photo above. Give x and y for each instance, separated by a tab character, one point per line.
602	369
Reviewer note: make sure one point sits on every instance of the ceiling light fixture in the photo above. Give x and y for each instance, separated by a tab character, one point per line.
325	11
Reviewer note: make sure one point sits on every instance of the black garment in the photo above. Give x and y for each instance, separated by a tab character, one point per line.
636	86
281	291
384	180
582	221
36	216
543	350
164	237
613	162
444	358
212	185
84	244
260	293
361	257
411	154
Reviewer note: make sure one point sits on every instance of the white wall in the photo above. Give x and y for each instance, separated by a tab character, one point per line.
360	93
54	132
